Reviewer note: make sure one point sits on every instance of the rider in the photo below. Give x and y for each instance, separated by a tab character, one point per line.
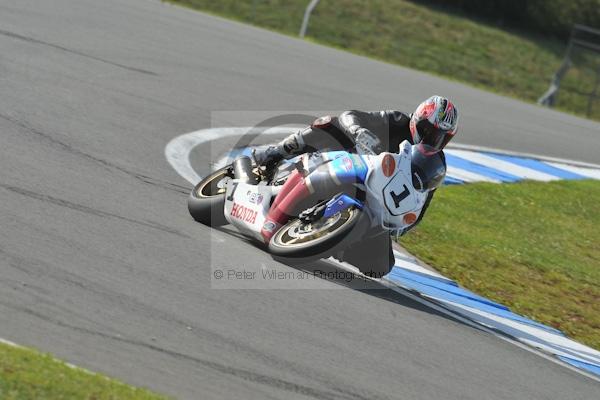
430	127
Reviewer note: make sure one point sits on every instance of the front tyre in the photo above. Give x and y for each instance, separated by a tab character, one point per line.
302	240
206	203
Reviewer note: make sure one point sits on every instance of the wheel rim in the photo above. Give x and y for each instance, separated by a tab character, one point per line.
215	185
298	233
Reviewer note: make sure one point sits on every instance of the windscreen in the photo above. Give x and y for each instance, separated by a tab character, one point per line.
427	170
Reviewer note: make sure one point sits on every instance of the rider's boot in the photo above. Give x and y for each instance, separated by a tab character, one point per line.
269	156
289	147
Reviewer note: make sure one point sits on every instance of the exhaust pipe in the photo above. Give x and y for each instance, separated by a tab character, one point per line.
242	170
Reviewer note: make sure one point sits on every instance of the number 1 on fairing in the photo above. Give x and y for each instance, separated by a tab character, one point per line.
235	185
399	197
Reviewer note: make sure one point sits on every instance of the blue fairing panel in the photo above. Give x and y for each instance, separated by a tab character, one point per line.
349	168
340	203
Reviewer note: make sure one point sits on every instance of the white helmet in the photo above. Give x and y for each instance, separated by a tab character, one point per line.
434	124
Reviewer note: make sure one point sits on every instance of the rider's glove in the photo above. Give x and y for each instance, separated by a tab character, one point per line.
367	142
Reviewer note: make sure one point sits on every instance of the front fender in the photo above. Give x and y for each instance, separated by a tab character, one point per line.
340	203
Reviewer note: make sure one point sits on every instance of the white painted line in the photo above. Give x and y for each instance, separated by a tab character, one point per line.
178	149
483	149
587	172
228	159
537	338
452	172
552	342
222	162
467	176
540	338
464	318
510	168
410	263
9	343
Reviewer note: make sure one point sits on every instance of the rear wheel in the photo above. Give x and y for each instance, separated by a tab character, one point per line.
298	239
206	203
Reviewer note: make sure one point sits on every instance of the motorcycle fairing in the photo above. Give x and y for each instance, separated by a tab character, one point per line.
393	189
347	167
246	206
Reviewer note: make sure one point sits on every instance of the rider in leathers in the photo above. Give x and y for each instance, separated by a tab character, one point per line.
431	127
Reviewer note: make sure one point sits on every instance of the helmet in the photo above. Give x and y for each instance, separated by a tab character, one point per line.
433	124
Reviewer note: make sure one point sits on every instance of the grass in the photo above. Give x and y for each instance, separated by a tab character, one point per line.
531	246
27	374
429	39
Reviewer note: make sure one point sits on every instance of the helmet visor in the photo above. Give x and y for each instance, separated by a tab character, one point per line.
433	139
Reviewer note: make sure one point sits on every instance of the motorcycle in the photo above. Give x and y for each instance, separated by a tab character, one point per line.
377	194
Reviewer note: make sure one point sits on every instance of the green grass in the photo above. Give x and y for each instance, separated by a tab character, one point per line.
425	38
27	374
531	246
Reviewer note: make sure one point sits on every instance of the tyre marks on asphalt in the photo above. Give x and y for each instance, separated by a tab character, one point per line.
60	144
89	210
28	39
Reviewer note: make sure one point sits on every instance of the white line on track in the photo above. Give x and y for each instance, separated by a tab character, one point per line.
501	165
459	146
410	263
467	176
178	149
452	172
469	322
9	343
587	172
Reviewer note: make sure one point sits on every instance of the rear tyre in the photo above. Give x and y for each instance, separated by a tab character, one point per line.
299	240
206	203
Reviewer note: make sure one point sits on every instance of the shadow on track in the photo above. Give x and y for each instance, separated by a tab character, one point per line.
345	275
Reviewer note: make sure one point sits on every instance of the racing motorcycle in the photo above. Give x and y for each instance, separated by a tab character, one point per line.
376	193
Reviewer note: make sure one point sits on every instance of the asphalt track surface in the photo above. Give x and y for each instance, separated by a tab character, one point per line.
101	265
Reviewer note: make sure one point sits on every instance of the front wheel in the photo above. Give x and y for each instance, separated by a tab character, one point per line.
298	239
206	203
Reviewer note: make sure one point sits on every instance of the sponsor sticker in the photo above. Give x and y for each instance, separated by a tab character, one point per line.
356	159
442	114
242	213
255	198
388	165
348	166
425	110
410	218
269	226
322	122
